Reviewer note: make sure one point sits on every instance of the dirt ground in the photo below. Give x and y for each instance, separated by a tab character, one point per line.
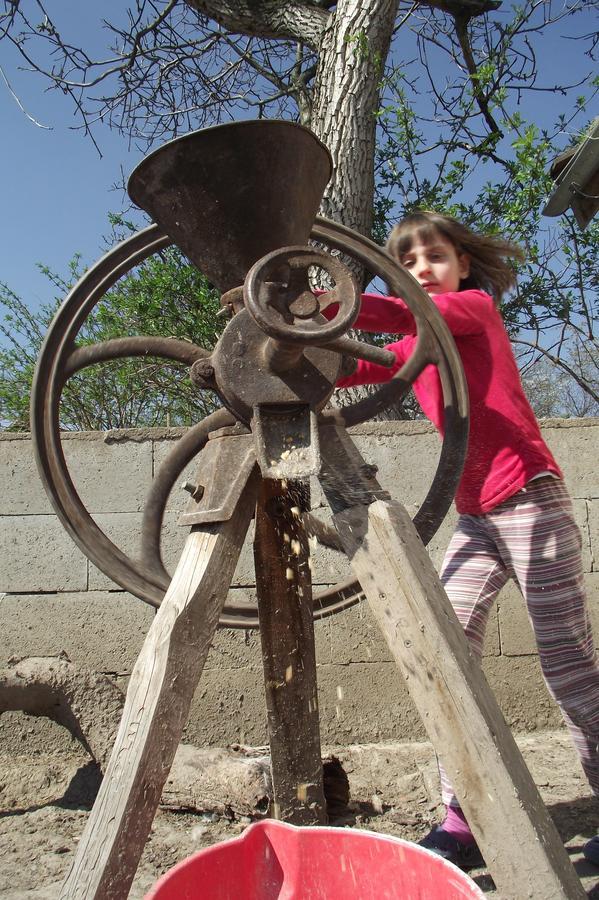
45	799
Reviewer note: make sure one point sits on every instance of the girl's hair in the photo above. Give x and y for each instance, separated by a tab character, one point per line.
490	269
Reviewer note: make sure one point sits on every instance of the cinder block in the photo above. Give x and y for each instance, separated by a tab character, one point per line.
517	638
521	693
228	707
109	476
581	515
593	526
492	646
438	544
358	703
574	444
124	530
350	636
365	702
406	462
178	498
38	555
22	490
103	631
235	648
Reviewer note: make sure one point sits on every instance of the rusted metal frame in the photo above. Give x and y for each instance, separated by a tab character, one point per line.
151	588
119	348
284	589
226	463
226	197
272	315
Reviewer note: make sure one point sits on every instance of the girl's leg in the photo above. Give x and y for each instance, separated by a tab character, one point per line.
543	543
472	574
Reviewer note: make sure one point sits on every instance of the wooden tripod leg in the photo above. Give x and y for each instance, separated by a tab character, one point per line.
284	587
520	844
518	840
156	709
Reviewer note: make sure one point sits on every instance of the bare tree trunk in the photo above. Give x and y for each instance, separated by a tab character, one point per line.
352	57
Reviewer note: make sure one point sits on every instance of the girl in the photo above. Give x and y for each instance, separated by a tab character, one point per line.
515	513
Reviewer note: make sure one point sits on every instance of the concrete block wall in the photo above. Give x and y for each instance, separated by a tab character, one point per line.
52	599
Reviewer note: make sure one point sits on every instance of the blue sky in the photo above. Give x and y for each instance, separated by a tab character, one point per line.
56	189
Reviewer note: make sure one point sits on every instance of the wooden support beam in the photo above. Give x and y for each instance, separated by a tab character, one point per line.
156	709
284	587
518	839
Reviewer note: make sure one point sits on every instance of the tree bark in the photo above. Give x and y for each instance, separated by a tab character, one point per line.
352	42
351	62
303	22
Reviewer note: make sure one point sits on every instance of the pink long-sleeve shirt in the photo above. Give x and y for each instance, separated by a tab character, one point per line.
505	447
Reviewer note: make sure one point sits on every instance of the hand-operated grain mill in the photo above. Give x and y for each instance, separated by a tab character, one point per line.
241	200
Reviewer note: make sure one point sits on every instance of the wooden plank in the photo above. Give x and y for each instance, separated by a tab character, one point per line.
518	839
284	587
156	709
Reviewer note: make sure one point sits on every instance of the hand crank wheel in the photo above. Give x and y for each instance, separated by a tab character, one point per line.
146	577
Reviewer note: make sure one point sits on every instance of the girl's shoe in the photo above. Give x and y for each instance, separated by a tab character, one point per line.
591	850
465	856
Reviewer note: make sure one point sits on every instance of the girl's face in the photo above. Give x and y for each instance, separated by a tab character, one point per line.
437	266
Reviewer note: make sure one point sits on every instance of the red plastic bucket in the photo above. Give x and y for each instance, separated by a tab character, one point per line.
275	861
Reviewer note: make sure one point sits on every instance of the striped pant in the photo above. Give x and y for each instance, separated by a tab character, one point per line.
532	538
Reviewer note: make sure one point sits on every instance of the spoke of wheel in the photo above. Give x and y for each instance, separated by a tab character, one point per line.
143	345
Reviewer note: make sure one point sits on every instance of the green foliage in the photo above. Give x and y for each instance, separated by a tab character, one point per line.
164	296
499	186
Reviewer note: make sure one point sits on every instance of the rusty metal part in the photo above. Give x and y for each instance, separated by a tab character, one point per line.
286	441
201	374
195	490
224	467
225	195
145	577
60	358
246	380
232	301
120	348
277	294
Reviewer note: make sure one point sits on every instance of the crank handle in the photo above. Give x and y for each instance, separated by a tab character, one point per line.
359	350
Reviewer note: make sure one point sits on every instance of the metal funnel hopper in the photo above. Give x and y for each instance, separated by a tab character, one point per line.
230	194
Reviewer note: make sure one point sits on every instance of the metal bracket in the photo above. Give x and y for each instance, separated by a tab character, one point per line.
225	464
286	440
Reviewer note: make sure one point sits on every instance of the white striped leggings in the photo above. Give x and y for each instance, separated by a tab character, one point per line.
532	538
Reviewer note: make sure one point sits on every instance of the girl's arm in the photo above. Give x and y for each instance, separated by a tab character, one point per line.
464	312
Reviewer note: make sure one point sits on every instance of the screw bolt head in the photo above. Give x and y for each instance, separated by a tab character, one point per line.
202	370
196	490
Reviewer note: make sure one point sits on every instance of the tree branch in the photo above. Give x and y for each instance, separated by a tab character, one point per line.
304	22
461	30
558	361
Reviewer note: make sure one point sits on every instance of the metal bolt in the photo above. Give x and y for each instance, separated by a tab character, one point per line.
196	490
202	369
